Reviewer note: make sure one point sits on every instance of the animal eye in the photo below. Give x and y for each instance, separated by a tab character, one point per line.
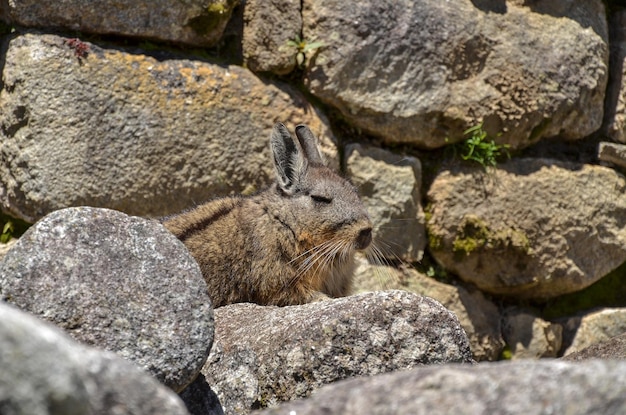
321	199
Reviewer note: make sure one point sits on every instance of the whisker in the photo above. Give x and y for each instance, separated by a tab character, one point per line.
380	267
323	257
316	256
388	259
389	264
373	255
328	257
385	249
308	251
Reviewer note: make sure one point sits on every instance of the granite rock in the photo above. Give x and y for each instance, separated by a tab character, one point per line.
116	282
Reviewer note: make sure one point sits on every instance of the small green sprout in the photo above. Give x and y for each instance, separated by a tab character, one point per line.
506	353
481	150
7	232
11	228
302	47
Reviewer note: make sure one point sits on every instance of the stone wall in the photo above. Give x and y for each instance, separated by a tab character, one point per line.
151	107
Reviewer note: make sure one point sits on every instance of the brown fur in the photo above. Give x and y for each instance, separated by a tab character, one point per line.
290	244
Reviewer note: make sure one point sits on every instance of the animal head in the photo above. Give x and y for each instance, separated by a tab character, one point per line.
331	222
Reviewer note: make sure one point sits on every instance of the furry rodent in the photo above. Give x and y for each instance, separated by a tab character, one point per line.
292	243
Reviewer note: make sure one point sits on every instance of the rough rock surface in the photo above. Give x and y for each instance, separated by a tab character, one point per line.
116	282
129	132
196	22
264	355
511	388
44	372
4	248
422	71
595	327
533	228
614	348
478	316
268	26
530	337
612	153
390	187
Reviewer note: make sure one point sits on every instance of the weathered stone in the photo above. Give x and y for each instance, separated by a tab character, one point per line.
614	348
612	153
196	22
512	388
4	248
264	355
116	282
45	372
128	132
390	187
117	383
530	337
478	316
422	72
597	326
268	26
533	228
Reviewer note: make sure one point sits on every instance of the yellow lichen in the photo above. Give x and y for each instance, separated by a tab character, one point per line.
215	14
218	8
474	234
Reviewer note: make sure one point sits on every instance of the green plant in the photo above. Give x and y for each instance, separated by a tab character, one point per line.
473	233
506	353
6	28
11	227
148	46
7	232
429	267
479	148
303	46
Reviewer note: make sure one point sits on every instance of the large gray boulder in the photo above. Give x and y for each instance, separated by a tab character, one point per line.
265	355
120	283
44	372
532	228
511	388
422	72
196	22
129	132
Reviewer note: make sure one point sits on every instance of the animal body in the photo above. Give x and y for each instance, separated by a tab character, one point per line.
292	243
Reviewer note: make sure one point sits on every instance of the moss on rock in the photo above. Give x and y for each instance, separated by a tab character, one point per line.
474	233
214	15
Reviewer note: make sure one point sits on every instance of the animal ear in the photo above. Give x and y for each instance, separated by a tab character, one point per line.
308	142
289	162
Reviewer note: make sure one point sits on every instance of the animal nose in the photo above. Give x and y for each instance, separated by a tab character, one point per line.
364	238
